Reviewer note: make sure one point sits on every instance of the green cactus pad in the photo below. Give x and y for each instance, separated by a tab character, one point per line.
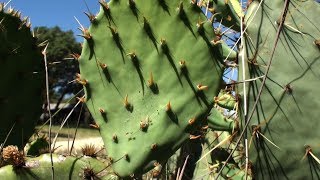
285	123
150	73
21	77
64	168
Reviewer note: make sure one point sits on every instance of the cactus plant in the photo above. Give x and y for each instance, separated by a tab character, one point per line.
284	121
21	76
152	73
146	79
65	167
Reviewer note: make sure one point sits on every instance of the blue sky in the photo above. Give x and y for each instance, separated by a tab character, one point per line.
56	12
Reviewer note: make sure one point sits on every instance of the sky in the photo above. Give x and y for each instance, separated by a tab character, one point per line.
60	13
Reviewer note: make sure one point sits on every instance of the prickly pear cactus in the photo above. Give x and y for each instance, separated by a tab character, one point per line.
151	70
21	76
64	168
283	131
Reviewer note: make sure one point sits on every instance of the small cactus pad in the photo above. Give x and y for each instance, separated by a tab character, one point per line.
21	77
214	155
228	12
150	72
285	123
37	146
64	168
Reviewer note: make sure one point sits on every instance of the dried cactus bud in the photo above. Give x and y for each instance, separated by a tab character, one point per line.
13	156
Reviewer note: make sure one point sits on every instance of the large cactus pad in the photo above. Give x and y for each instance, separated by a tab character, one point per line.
286	121
21	77
64	168
150	72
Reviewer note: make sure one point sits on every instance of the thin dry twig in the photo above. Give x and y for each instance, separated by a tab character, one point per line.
44	53
75	133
